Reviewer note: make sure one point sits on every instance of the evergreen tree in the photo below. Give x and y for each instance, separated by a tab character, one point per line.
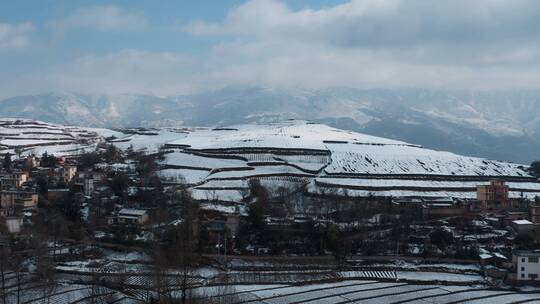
48	161
535	168
7	162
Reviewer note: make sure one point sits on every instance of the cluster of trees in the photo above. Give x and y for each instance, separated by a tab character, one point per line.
6	163
535	168
308	237
108	155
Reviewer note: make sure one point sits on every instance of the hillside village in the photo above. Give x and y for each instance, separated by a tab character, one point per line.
108	220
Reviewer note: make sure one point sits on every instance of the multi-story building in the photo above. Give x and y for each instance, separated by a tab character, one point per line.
13	179
527	264
69	172
535	213
89	181
10	198
494	195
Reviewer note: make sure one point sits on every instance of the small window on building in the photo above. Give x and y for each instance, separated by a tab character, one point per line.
533	259
533	276
522	268
523	275
523	260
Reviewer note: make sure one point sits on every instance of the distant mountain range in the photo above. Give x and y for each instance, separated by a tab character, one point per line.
496	125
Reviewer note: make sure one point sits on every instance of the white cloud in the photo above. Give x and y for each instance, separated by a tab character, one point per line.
103	18
487	44
392	43
15	36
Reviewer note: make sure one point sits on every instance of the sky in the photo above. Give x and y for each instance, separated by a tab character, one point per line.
171	47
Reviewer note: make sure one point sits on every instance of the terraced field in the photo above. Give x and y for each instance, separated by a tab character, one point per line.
25	137
364	291
332	160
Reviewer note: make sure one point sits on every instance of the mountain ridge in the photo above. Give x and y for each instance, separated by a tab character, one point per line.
497	125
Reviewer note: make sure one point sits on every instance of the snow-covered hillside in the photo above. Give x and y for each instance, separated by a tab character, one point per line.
25	137
218	163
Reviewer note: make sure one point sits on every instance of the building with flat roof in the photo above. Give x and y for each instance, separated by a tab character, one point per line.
132	216
527	265
534	210
522	226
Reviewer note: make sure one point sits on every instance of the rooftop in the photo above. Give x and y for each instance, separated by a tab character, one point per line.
131	212
527	253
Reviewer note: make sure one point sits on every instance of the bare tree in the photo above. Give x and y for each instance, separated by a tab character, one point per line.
160	278
176	249
15	263
185	242
43	262
97	293
3	271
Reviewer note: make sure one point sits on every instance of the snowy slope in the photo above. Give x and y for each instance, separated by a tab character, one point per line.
391	159
289	135
218	163
37	137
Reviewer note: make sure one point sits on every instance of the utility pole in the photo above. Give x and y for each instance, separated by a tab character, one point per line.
225	254
2	272
396	261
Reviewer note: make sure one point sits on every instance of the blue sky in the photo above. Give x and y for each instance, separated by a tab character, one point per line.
176	47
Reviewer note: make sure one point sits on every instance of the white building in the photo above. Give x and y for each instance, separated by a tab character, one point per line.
522	226
14	224
527	265
88	186
132	216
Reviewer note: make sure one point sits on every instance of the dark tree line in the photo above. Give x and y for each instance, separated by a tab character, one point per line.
535	168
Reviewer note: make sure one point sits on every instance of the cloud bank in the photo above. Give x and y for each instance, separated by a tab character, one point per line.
392	43
460	44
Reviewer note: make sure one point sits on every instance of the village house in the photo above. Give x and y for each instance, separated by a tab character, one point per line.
443	207
534	211
494	196
57	194
89	180
14	179
18	199
132	216
68	173
527	265
406	205
522	226
14	224
217	222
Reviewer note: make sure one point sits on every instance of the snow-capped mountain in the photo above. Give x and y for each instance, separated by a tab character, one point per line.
498	125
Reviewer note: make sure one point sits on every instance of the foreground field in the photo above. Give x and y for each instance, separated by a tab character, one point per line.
360	291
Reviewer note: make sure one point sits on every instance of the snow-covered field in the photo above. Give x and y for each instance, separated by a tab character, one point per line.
411	183
363	291
408	160
288	135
